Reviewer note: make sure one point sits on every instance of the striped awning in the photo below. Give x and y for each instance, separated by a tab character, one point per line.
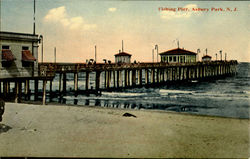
27	56
7	55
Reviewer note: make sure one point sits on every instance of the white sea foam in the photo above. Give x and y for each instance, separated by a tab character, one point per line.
220	95
80	97
122	94
164	91
247	92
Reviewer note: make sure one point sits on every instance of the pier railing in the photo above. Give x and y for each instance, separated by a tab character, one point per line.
48	69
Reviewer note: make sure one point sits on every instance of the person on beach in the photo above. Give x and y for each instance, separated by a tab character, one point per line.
2	103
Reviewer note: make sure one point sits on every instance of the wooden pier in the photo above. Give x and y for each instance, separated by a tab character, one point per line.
114	76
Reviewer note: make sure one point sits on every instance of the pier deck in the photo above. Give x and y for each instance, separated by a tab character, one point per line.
110	76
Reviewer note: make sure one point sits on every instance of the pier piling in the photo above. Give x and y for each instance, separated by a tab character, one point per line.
44	91
87	80
75	82
36	83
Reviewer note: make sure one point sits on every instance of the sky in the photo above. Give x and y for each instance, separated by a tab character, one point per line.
74	27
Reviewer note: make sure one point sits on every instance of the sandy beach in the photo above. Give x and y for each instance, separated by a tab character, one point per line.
70	131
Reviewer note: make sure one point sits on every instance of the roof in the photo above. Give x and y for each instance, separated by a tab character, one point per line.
178	51
27	56
7	55
18	36
123	54
206	56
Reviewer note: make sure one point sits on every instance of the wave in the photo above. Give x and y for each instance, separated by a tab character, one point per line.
98	98
236	92
123	94
164	91
210	95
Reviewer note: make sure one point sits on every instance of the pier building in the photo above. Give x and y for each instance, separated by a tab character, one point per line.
206	58
19	53
123	57
178	55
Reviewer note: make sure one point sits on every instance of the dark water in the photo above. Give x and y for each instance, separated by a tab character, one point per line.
227	97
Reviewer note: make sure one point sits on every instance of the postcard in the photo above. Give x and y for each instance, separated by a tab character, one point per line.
124	79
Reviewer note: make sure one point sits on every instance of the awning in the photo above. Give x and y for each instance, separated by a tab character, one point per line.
27	56
7	55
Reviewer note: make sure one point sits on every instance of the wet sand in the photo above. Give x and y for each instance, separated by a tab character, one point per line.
69	131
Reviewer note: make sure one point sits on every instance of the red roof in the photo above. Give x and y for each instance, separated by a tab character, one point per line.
178	51
206	56
7	55
123	54
27	56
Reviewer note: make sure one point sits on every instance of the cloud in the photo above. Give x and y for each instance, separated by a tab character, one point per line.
59	15
174	13
112	9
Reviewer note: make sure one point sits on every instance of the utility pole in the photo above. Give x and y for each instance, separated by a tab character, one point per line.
55	54
221	55
95	54
153	55
34	18
41	37
216	56
157	53
34	31
198	51
122	45
225	56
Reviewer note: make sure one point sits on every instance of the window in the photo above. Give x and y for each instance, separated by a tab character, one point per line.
6	56
170	59
27	57
174	58
25	48
6	64
6	47
27	64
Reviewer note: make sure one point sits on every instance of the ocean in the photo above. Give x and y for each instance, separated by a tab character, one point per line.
228	97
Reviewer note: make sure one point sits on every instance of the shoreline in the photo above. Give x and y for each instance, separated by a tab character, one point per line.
92	131
155	110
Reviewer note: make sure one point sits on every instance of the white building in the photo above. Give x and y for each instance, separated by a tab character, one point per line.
123	57
178	55
206	58
19	54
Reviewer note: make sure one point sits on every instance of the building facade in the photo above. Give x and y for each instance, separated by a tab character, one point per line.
178	56
19	54
123	57
206	58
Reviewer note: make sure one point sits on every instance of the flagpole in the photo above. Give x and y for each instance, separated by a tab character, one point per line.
34	18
